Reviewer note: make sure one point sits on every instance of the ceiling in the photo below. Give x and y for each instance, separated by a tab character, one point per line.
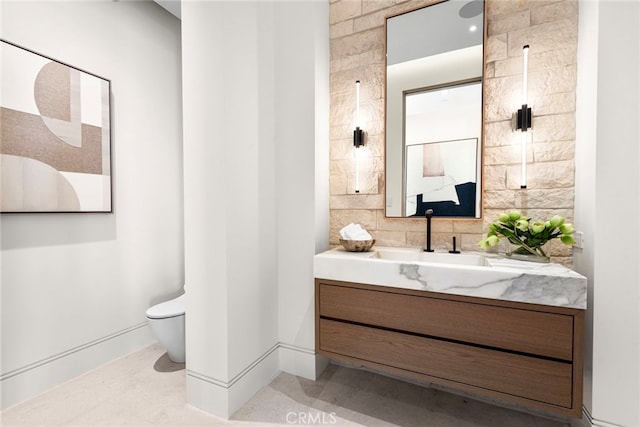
442	27
173	6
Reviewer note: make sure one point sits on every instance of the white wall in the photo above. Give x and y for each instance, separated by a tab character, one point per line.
302	129
607	204
75	287
250	88
585	179
230	243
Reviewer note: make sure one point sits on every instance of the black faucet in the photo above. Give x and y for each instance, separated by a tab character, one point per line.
454	250
428	214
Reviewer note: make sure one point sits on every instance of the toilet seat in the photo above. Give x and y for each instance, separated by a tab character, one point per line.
167	309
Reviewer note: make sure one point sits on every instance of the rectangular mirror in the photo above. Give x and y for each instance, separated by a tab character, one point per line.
433	133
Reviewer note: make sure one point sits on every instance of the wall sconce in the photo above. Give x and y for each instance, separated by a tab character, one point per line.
523	116
358	135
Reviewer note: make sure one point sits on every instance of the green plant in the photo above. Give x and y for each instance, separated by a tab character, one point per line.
529	236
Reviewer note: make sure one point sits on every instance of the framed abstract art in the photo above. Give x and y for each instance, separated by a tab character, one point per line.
55	135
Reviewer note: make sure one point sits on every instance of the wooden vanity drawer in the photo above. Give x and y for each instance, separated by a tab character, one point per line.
492	325
527	377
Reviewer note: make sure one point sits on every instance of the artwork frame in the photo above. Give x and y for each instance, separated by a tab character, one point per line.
55	135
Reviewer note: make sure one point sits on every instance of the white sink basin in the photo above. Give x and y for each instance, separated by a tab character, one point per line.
418	255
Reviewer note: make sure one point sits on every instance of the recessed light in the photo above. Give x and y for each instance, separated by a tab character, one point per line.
471	9
473	28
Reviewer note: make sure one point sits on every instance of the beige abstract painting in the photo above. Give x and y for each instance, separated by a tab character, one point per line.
55	139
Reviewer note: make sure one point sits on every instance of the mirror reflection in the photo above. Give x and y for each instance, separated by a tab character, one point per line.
434	110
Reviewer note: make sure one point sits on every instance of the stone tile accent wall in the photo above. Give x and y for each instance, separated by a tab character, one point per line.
358	53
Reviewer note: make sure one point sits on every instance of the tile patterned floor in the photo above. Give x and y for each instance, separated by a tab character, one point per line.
146	389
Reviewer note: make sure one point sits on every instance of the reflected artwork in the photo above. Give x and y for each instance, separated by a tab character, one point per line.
442	176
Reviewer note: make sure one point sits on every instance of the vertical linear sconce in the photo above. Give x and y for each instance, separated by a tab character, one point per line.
523	118
358	134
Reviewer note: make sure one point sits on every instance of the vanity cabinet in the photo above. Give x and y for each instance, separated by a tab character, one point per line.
522	354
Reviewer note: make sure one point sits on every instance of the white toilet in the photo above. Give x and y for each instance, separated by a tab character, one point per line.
167	323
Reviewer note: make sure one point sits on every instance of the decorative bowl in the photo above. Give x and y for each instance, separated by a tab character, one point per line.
357	245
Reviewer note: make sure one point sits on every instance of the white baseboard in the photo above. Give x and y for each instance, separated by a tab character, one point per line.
302	362
223	398
30	380
588	421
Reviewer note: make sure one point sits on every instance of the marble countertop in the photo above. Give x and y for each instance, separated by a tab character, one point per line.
472	274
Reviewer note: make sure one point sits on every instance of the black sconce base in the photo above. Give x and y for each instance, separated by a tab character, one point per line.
523	118
358	137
